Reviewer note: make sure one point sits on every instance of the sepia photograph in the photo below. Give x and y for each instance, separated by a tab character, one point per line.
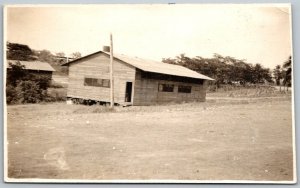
149	93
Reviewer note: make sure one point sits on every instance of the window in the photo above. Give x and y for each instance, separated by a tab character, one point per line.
106	83
165	87
97	82
184	89
88	81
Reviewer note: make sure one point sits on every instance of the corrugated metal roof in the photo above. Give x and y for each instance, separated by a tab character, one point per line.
160	67
154	66
33	65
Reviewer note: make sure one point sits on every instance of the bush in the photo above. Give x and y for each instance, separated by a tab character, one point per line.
15	73
42	80
29	92
11	94
25	87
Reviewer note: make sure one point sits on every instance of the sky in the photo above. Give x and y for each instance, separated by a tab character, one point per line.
256	33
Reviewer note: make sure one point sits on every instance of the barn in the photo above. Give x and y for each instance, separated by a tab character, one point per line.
34	67
136	81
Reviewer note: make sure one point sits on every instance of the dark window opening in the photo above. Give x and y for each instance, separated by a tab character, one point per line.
88	81
165	87
97	82
106	83
184	89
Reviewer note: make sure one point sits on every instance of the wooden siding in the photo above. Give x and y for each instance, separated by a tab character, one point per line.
146	91
97	66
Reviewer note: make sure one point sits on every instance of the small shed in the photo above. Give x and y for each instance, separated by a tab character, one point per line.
136	81
35	67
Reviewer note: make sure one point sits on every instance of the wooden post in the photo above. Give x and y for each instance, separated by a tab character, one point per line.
111	73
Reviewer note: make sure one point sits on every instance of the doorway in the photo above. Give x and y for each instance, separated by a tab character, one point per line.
128	92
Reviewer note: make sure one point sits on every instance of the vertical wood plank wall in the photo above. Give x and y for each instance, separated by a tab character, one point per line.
97	66
146	91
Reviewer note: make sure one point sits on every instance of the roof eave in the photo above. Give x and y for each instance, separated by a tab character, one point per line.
207	78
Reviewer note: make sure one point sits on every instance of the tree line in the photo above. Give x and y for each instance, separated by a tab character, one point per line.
22	52
230	70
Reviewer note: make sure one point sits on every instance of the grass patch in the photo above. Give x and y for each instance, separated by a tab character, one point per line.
249	92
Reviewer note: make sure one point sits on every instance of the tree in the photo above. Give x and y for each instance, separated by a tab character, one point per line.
277	73
76	55
45	56
15	73
287	65
20	52
224	69
60	58
260	74
60	54
247	73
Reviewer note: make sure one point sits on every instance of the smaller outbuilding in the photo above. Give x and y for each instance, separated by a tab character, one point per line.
34	67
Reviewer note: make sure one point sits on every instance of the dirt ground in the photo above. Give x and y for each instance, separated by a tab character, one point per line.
215	140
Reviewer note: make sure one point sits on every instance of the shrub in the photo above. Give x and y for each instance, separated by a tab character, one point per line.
15	73
25	87
42	80
29	92
11	94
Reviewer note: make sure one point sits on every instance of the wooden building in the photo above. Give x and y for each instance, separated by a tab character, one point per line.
136	81
34	67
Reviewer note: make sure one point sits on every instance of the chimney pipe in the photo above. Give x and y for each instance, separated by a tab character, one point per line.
106	48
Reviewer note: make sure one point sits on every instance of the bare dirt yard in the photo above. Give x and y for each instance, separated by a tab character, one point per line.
215	140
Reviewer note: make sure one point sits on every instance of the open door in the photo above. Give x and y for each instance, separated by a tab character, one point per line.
128	92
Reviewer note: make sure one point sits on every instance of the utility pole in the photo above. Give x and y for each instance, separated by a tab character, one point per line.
111	73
